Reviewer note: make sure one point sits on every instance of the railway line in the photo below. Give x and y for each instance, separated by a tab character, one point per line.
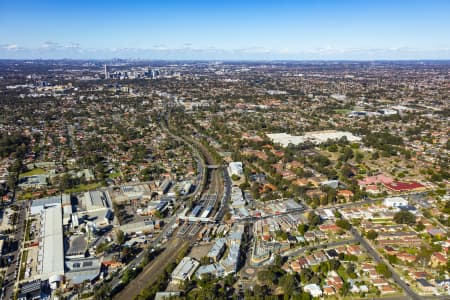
153	270
210	188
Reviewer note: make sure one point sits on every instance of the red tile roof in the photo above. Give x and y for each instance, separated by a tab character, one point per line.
403	186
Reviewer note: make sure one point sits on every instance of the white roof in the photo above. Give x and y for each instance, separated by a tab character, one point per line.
236	168
53	249
285	139
395	201
185	268
95	200
316	137
313	289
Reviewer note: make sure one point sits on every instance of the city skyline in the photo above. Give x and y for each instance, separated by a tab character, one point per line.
283	30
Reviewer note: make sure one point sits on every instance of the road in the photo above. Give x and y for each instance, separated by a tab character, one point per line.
379	259
10	279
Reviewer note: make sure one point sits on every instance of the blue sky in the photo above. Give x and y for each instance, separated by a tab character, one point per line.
283	29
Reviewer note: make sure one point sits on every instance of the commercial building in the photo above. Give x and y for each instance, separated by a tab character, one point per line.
234	239
185	269
35	289
217	249
315	137
237	199
77	247
235	168
97	205
106	72
395	202
397	186
212	269
82	269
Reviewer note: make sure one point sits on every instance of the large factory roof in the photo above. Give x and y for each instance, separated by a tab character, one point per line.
52	248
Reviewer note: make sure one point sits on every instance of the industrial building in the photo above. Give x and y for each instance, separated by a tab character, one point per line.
37	206
51	249
185	269
97	208
315	137
133	192
96	200
82	269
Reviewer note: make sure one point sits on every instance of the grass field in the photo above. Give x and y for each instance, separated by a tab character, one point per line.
114	175
83	188
35	171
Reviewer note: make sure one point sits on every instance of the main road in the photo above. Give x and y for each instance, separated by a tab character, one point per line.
13	270
378	258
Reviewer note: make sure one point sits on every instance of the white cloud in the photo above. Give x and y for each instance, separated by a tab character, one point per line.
49	45
11	47
188	51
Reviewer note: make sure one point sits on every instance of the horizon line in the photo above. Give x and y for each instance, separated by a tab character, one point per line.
231	60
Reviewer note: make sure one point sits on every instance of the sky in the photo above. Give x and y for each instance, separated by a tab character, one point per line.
227	30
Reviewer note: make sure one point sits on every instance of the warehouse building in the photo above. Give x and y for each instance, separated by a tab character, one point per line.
185	269
51	249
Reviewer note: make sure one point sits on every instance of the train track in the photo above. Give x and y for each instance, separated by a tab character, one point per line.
153	270
211	183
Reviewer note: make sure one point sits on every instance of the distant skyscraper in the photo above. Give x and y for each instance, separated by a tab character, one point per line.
106	72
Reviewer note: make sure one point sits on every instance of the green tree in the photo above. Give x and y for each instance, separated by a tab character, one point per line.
102	293
267	277
288	284
120	237
66	182
344	224
392	259
235	177
371	234
419	227
405	217
313	219
302	228
383	270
